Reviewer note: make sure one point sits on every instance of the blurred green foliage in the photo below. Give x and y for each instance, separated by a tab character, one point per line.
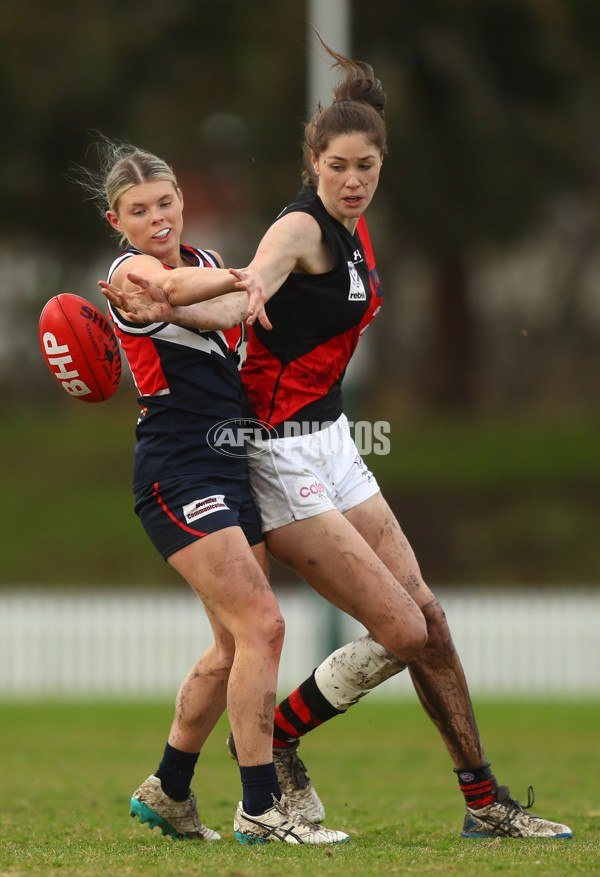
492	116
482	502
487	100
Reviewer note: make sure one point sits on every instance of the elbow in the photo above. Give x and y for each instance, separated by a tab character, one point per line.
169	287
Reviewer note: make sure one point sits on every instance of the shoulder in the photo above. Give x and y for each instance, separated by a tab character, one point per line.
295	240
217	258
209	258
297	226
311	214
305	200
130	261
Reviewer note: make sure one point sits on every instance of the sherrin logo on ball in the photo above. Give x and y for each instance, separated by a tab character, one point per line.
80	348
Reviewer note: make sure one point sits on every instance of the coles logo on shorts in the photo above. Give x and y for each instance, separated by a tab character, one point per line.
309	489
201	507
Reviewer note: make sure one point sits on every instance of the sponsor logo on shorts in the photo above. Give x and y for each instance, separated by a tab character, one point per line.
309	489
199	508
363	469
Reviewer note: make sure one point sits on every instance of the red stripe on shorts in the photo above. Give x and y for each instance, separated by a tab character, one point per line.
167	511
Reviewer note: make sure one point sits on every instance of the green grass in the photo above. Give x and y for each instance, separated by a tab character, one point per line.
68	770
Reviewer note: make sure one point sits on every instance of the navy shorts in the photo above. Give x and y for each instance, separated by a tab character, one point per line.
177	511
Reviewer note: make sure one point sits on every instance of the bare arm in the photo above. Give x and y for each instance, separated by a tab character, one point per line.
148	304
144	294
207	283
292	243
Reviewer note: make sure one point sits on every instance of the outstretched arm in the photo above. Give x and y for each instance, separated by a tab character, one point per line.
293	243
147	303
147	289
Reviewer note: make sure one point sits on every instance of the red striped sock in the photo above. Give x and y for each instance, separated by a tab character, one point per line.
305	708
478	785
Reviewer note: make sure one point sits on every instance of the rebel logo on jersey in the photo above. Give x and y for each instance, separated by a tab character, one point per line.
357	291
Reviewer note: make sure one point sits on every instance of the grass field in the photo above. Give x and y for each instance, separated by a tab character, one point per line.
68	769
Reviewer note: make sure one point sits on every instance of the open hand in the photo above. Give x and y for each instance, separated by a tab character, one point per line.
252	283
147	304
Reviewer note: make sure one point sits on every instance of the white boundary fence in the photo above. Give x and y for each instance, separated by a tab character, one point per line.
513	643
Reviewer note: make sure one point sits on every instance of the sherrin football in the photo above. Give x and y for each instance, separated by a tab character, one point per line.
80	348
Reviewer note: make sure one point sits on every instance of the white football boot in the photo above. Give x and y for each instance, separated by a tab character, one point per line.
294	781
283	824
178	819
505	817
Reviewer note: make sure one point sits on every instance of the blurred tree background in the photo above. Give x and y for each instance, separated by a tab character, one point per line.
486	359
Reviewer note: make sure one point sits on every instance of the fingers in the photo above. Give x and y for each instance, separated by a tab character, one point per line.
252	283
120	300
258	313
112	293
152	292
108	287
264	320
140	281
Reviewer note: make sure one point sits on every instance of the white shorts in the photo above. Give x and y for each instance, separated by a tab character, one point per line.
297	477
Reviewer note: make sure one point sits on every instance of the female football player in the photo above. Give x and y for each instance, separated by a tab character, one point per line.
195	504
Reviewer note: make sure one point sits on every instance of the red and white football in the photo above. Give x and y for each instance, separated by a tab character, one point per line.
80	348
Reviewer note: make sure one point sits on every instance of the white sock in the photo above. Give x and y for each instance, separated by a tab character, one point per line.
352	671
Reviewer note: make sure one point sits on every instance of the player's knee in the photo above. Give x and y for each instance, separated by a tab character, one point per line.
439	635
278	631
407	641
418	635
269	629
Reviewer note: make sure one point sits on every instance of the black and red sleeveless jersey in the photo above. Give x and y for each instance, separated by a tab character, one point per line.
188	381
294	372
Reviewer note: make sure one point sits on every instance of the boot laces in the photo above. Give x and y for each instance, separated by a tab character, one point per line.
283	807
512	804
513	807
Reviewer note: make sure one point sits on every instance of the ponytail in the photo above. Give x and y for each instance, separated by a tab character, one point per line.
358	106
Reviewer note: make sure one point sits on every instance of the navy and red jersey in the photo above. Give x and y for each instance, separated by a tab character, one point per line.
188	381
294	372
